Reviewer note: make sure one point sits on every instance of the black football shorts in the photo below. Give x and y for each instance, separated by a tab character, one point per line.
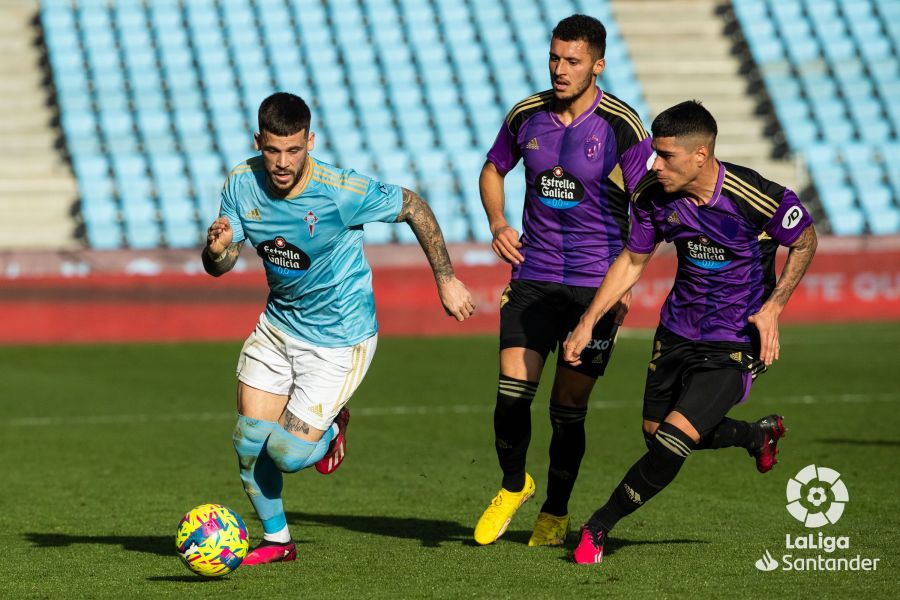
539	315
701	380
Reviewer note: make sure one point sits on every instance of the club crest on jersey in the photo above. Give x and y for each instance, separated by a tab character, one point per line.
704	252
311	219
558	189
592	147
283	258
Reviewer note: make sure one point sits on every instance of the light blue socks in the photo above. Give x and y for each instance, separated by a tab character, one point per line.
261	478
291	454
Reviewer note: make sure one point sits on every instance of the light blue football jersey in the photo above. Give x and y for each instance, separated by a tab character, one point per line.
311	244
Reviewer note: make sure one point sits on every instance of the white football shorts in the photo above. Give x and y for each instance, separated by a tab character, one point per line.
318	381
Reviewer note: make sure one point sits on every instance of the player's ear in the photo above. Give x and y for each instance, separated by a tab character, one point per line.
257	142
311	141
599	65
701	154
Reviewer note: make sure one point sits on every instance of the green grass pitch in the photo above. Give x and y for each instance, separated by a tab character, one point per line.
105	447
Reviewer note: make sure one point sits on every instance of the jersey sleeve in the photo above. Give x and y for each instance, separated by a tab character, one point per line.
505	152
229	208
635	163
643	236
789	220
379	202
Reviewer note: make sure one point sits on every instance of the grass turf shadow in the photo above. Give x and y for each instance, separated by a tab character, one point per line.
431	533
615	544
161	545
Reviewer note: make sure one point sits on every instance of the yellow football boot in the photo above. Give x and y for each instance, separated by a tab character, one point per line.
549	530
496	518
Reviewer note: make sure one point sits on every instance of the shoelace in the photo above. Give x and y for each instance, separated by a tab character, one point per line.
595	537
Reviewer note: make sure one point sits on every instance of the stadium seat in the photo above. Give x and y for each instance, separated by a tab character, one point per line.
103	236
402	79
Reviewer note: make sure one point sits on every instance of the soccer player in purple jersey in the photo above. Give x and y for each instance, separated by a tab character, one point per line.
584	152
718	328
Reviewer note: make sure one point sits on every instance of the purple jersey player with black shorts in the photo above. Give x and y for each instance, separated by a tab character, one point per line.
584	152
718	328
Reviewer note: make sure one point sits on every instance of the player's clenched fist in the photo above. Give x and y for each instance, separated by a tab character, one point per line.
219	236
506	245
576	342
456	298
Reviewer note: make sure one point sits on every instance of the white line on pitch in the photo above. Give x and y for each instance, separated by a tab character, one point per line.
385	411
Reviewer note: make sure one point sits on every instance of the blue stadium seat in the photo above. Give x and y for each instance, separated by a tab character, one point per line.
103	236
400	77
99	210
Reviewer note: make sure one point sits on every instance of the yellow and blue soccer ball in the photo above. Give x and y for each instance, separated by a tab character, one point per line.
212	540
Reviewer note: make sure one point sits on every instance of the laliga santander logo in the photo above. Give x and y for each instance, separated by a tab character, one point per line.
816	497
815	508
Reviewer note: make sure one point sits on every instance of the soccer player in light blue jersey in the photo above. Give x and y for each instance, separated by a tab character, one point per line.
315	340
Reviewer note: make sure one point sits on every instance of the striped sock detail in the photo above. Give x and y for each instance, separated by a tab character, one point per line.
516	388
564	415
673	444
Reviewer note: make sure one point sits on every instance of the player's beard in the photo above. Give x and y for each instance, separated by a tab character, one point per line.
572	97
287	187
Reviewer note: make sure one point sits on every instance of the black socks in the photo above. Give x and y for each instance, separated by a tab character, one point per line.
512	428
566	452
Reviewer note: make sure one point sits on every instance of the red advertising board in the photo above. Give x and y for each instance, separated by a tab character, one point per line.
847	282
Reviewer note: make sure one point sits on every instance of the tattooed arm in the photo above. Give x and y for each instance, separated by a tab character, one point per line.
455	297
799	257
220	253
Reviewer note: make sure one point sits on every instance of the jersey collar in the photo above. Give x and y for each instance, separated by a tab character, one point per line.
304	179
718	191
580	118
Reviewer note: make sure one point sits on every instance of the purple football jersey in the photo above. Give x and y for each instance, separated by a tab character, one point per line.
578	181
726	249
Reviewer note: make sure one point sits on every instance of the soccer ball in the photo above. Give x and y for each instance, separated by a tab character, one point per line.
212	540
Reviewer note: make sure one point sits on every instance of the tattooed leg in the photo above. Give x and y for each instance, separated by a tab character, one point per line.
291	447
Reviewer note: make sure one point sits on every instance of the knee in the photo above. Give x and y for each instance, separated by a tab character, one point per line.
649	430
249	437
562	415
513	393
289	453
670	445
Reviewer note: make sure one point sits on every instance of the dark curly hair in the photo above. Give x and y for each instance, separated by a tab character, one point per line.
583	27
284	114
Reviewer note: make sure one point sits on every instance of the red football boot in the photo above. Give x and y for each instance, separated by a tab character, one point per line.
271	552
590	547
338	448
772	431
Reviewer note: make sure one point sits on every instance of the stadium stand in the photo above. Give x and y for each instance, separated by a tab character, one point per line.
37	188
832	73
157	99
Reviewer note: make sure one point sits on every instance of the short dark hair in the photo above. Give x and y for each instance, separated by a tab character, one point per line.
582	27
690	118
284	114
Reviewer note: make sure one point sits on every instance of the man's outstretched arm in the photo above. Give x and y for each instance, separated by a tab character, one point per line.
799	258
621	277
455	297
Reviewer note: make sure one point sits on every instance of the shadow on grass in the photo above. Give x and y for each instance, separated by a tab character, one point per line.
161	545
852	442
618	543
431	533
185	578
